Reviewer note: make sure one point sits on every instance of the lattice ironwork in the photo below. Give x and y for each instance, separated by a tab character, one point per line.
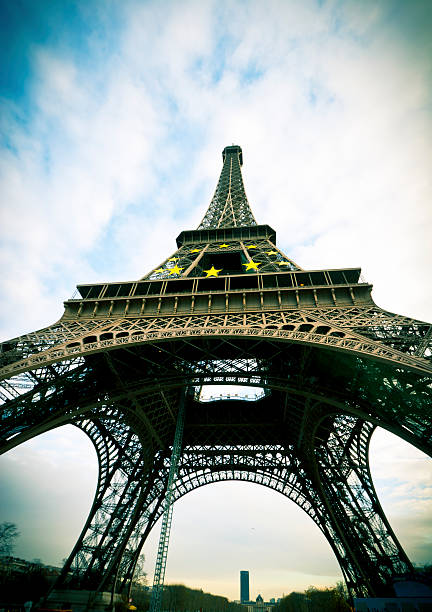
162	554
228	307
229	206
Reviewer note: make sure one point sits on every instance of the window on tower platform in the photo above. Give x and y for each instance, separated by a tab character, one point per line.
211	284
92	291
318	278
179	286
244	282
227	263
337	277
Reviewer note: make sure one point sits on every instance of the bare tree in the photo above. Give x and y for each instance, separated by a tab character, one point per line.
8	534
140	576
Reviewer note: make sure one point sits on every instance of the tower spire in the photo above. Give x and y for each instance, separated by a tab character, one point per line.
229	206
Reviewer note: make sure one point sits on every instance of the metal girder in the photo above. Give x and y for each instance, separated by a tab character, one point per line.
398	345
161	560
360	527
229	206
247	447
333	366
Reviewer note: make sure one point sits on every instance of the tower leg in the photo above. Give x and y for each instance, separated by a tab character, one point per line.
370	552
132	484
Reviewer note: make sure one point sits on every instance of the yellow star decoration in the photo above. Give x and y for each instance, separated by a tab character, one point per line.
159	270
283	263
212	272
173	259
252	246
195	251
175	270
223	246
272	253
252	265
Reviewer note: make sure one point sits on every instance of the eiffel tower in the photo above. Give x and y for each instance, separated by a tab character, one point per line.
228	307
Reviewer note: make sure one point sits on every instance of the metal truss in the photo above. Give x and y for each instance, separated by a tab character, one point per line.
133	455
320	413
332	364
332	485
192	260
161	560
229	206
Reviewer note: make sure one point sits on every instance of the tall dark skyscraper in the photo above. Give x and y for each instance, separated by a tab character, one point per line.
244	586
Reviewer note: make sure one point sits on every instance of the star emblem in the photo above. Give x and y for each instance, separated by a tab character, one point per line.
212	272
252	265
283	263
251	246
195	251
175	270
173	259
272	253
159	270
223	246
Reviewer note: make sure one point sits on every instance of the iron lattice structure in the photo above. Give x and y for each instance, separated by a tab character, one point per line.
159	575
228	307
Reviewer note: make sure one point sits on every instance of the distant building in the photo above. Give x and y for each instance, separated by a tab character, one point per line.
259	605
244	586
16	566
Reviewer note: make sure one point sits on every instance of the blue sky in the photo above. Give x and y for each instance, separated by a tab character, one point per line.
114	116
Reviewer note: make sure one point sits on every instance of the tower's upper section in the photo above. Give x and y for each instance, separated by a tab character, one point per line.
229	264
229	206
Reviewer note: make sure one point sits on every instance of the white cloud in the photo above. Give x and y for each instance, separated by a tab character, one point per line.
344	179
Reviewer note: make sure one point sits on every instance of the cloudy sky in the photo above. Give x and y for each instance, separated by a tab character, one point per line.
113	119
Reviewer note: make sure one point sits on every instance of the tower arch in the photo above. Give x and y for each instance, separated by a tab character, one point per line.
227	307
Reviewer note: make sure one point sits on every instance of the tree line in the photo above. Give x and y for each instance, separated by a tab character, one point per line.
32	584
334	599
180	598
